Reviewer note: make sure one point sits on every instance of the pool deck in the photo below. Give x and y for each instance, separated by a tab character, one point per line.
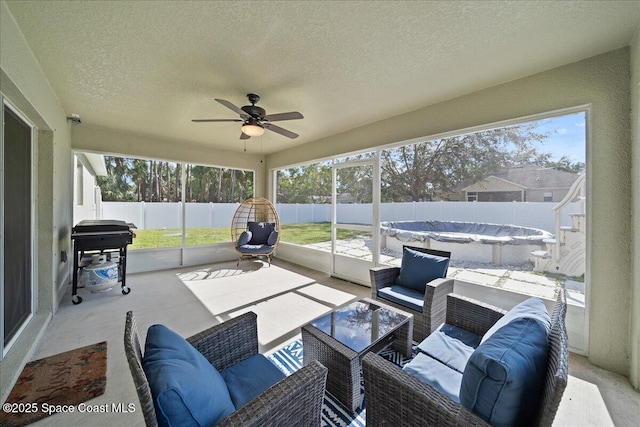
520	279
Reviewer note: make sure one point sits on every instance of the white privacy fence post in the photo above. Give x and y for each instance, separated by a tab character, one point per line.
142	216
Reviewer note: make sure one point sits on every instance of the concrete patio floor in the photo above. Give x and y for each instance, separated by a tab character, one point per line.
284	296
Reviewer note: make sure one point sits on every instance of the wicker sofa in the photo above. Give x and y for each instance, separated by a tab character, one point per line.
415	397
294	400
429	308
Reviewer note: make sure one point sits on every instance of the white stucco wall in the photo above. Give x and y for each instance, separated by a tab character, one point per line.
85	208
635	129
602	82
25	85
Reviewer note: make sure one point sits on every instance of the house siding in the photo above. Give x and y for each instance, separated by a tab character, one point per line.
538	195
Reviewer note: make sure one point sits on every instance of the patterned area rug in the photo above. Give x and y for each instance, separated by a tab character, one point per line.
334	414
68	378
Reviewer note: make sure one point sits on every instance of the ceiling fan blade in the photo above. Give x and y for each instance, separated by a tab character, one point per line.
216	120
281	131
231	107
292	115
244	135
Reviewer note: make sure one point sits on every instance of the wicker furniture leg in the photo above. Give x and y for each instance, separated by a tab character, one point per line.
403	342
343	363
404	337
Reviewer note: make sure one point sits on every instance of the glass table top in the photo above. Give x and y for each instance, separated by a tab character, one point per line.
359	324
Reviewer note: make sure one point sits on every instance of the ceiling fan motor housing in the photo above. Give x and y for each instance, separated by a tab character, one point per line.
255	119
254	111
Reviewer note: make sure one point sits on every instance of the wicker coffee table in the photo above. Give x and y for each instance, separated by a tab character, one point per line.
340	339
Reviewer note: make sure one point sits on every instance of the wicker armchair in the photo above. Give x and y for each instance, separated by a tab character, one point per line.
396	398
435	297
295	400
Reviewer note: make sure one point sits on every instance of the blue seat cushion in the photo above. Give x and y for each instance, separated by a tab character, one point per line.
532	308
250	378
255	249
450	345
260	232
406	297
439	376
187	390
418	269
503	380
244	238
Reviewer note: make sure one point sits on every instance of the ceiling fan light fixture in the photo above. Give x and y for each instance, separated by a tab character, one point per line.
252	129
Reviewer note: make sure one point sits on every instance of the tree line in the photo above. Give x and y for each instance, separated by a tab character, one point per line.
137	180
425	171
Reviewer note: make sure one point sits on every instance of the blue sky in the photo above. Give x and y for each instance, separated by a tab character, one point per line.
566	136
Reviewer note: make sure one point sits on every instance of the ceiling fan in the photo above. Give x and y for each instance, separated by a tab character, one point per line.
255	119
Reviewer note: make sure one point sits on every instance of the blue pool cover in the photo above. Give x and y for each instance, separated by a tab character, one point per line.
463	232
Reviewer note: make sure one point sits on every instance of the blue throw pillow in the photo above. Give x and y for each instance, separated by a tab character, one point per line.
273	238
260	232
244	238
187	390
418	269
532	308
502	382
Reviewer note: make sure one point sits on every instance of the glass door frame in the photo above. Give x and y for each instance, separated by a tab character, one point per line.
5	103
374	228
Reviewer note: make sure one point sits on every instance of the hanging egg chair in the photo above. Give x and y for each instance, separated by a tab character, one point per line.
255	229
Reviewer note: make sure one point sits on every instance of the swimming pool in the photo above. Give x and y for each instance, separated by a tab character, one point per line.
467	241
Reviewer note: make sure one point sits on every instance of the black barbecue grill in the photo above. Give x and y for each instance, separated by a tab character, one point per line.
100	236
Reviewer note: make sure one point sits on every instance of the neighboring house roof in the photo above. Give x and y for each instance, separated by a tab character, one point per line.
532	177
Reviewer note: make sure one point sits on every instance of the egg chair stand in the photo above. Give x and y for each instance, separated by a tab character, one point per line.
255	229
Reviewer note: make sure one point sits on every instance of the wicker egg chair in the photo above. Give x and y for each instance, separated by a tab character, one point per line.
255	229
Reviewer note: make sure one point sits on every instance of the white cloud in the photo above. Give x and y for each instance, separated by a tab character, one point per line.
561	131
580	124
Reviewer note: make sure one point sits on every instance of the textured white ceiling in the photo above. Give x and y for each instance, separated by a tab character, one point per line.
151	67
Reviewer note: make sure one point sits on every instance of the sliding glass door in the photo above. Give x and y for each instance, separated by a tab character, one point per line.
17	225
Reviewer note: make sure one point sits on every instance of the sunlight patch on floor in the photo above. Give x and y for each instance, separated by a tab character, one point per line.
582	405
222	296
218	273
274	321
326	294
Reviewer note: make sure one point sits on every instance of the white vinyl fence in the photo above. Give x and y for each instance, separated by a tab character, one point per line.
167	215
524	214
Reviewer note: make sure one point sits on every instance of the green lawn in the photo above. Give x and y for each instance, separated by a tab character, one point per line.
301	234
172	237
307	233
